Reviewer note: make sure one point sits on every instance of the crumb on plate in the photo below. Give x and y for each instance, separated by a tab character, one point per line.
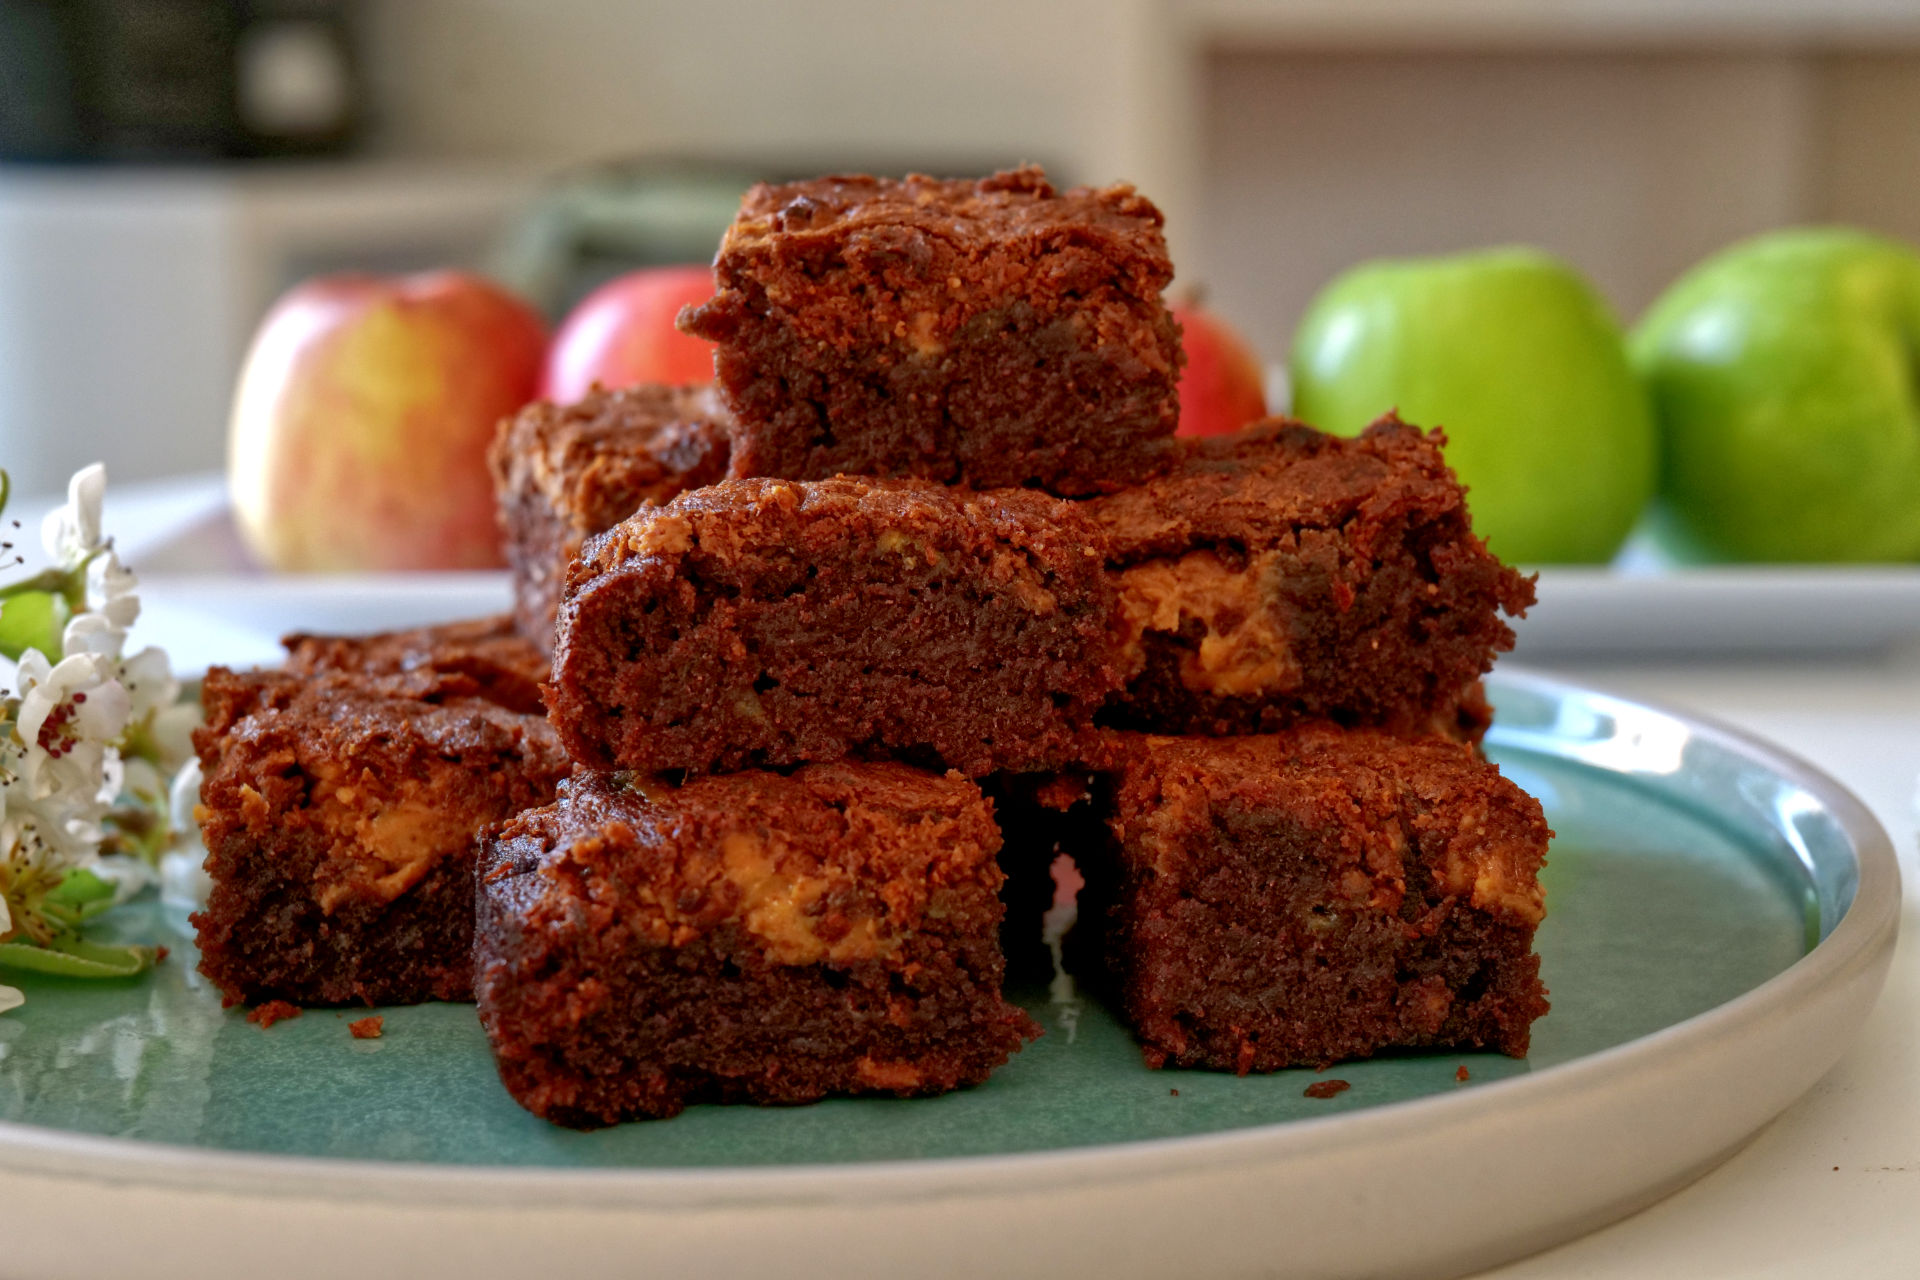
265	1015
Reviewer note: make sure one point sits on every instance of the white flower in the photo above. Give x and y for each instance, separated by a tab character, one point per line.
113	777
62	768
80	700
61	764
94	634
149	682
184	881
6	917
184	798
127	874
72	533
143	781
111	589
183	875
171	732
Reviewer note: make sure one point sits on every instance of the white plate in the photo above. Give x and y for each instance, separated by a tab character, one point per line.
1748	610
1436	1185
208	603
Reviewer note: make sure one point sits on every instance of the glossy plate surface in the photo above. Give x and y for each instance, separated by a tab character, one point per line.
1707	897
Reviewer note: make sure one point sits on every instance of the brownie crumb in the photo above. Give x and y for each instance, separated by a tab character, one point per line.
1174	1092
1327	1088
1462	1074
265	1015
366	1028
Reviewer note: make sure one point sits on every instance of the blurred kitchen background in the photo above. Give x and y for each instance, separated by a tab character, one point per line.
168	166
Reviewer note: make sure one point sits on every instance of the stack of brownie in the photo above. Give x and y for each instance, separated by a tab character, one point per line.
930	533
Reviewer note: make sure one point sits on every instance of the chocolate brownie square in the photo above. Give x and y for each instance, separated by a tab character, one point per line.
770	622
994	333
340	811
562	473
1296	899
1281	574
503	665
749	937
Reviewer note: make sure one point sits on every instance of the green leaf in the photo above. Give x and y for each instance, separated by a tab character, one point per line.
79	887
71	957
72	917
32	620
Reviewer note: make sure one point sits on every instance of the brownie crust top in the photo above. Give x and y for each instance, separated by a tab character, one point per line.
1491	834
737	521
501	664
594	461
1269	481
1017	203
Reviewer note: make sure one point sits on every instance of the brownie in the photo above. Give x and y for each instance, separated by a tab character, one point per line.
504	665
562	473
1296	899
748	937
771	622
1280	574
339	810
995	333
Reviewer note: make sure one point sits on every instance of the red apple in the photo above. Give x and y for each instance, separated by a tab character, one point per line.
360	426
622	334
1223	387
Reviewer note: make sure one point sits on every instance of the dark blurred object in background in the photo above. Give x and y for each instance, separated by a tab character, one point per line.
597	223
145	80
605	220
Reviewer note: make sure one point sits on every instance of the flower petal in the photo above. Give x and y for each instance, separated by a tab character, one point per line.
103	716
33	668
111	589
93	633
35	707
172	732
11	998
71	533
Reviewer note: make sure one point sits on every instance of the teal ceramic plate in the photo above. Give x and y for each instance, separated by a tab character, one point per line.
1720	917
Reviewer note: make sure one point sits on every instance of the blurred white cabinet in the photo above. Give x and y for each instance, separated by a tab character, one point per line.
127	296
1285	139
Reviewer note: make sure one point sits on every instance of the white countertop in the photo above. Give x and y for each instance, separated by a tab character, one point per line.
1832	1188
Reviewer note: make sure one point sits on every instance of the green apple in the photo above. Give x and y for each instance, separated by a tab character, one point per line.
1517	356
1783	375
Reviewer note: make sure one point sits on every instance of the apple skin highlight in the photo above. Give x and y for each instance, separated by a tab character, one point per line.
360	423
623	334
1222	386
1518	358
1783	371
